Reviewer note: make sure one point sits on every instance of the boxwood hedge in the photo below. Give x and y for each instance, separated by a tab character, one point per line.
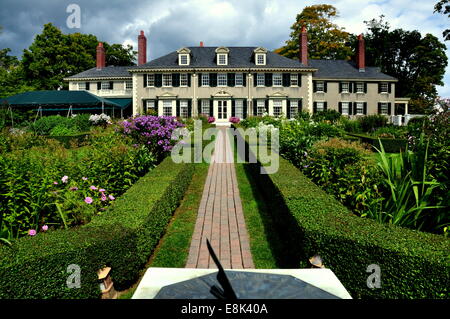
413	264
391	145
123	238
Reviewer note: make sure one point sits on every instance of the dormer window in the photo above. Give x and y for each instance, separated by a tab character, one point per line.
222	55
260	56
184	56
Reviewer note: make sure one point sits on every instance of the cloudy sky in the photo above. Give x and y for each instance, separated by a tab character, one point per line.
171	24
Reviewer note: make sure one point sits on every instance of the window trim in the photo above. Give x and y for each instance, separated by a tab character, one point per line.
296	102
125	85
225	56
204	77
278	106
184	107
296	79
152	81
317	106
356	108
242	80
85	86
258	106
147	103
262	77
205	104
387	108
181	80
241	106
323	87
224	78
257	56
101	86
181	56
348	87
381	88
348	108
356	87
171	80
280	79
164	107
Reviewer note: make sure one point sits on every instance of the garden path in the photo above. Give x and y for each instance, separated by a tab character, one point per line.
220	217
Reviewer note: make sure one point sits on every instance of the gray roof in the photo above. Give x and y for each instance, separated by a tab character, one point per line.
341	69
205	57
107	72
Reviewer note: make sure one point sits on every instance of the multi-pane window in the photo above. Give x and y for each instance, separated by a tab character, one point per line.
184	109
105	86
277	79
345	87
150	105
359	87
239	79
167	79
150	80
205	79
167	108
183	79
222	79
222	59
294	108
184	59
384	109
294	79
260	107
359	108
345	108
82	86
320	86
260	79
384	87
320	106
128	85
260	59
239	109
277	108
205	106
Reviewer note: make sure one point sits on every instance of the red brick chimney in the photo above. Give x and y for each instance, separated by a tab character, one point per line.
142	49
100	56
201	44
361	54
303	47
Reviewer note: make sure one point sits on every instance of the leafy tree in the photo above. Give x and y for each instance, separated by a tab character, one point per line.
417	61
443	6
325	39
53	56
11	75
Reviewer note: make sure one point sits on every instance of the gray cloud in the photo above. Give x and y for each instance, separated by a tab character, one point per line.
170	24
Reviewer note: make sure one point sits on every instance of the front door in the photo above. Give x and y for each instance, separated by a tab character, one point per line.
222	110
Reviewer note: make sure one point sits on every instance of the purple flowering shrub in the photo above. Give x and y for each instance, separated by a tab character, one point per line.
211	119
154	132
234	120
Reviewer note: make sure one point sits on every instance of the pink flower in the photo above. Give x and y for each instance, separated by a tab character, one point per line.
102	190
55	183
93	188
73	188
84	178
103	197
111	197
32	232
64	179
88	200
45	228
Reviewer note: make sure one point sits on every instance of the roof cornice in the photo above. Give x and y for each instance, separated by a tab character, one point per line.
219	70
100	78
354	79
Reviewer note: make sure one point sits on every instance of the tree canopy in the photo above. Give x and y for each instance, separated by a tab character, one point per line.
443	6
326	40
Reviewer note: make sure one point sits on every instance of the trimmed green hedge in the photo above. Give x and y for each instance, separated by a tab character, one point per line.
67	140
413	264
122	238
391	145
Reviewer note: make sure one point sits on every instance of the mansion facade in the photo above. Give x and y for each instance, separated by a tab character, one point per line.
226	82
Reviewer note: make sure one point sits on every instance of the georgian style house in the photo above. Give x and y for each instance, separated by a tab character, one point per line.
241	82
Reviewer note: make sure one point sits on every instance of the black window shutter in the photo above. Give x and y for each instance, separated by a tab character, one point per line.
144	106
255	108
199	79
178	108
199	106
244	104
379	87
111	85
145	80
314	86
233	106
300	105
268	79
340	87
211	107
189	79
350	86
244	79
379	108
87	85
365	87
189	108
288	111
286	79
255	78
340	107
299	79
176	79
231	79
354	107
315	107
389	108
99	86
365	108
213	79
158	80
389	87
267	105
325	86
325	106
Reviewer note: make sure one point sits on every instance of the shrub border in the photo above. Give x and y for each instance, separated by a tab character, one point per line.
391	145
123	238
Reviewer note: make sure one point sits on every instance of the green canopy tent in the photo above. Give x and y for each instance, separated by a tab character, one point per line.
64	101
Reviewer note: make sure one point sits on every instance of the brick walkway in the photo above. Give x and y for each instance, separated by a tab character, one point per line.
220	217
